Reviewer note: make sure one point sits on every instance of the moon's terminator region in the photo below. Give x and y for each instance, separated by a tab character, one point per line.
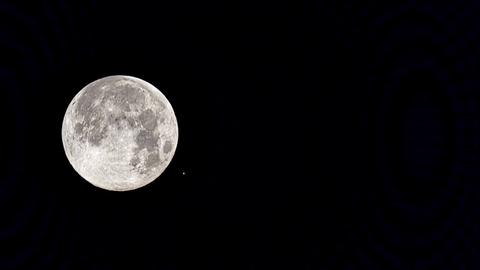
119	133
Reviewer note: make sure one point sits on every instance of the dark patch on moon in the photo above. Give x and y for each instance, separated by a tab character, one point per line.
91	115
152	160
167	147
93	123
79	129
98	130
148	119
146	139
97	135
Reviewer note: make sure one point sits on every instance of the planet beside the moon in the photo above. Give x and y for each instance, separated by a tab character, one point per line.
119	133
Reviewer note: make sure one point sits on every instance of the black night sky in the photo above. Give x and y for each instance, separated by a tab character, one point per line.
313	135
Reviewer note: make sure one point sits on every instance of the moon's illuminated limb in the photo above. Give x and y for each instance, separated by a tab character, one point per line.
119	133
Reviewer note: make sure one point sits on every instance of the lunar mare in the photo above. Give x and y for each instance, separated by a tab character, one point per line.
119	133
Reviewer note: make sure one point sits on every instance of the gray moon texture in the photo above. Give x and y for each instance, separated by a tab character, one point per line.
119	133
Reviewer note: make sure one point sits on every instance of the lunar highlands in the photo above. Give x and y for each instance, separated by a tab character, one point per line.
119	133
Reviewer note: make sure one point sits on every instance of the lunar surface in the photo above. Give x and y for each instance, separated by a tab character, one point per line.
119	133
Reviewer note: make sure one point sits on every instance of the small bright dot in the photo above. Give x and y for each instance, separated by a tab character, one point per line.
183	173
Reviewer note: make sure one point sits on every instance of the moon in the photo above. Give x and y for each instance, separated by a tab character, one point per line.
119	133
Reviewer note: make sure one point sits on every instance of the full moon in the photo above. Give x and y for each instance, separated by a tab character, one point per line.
119	133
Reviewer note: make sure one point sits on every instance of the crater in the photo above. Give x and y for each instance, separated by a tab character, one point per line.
115	119
135	161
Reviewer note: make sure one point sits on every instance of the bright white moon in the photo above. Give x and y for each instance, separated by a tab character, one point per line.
119	133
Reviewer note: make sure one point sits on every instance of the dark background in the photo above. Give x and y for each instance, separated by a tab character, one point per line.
313	135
